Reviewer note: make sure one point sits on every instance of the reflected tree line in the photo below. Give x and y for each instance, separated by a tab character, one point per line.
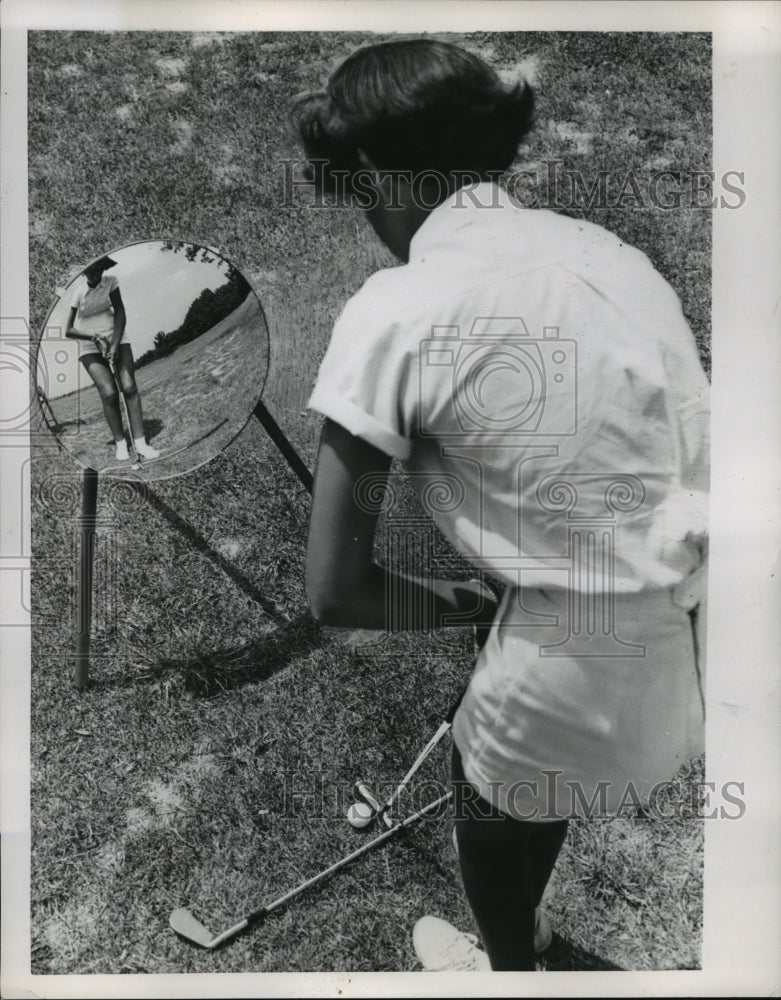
206	310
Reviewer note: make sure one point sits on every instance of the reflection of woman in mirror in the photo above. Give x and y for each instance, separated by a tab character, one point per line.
97	311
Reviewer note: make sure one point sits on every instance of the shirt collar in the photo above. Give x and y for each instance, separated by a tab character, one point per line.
463	209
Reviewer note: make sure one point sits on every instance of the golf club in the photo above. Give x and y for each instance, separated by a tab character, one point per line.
361	813
363	791
186	925
359	817
384	812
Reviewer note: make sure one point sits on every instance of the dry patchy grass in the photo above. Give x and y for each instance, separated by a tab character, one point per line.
164	784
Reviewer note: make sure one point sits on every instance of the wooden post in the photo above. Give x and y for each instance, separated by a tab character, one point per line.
89	502
289	453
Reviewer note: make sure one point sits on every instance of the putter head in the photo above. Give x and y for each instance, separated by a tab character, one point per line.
362	791
185	924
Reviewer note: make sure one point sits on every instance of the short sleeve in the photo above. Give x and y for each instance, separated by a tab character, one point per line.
112	283
366	381
77	297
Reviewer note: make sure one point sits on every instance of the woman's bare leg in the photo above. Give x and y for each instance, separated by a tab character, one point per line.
126	374
100	373
127	379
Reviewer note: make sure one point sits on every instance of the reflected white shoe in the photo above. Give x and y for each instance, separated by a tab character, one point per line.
440	947
145	450
121	453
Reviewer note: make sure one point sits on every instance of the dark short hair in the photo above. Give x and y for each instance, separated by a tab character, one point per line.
414	105
101	264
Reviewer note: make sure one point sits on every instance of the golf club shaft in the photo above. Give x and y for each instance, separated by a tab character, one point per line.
375	842
123	405
418	761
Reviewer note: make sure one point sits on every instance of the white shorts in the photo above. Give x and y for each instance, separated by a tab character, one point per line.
555	724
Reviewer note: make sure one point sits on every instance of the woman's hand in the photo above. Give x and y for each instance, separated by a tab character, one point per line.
482	629
102	345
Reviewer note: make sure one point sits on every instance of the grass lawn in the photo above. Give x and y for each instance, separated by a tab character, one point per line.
211	761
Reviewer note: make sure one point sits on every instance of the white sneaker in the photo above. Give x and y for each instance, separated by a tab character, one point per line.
145	450
121	453
440	947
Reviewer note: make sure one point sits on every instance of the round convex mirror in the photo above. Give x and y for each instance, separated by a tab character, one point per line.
152	360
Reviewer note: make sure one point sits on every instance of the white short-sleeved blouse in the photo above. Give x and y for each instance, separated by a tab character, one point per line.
518	347
94	312
543	372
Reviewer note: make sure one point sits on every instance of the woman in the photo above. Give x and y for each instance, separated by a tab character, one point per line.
544	370
98	309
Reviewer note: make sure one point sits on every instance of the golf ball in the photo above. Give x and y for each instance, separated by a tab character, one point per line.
359	815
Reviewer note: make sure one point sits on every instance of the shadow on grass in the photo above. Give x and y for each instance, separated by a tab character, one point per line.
223	670
152	428
61	426
199	542
564	956
561	956
424	851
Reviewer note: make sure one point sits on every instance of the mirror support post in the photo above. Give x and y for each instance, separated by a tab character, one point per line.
87	532
290	454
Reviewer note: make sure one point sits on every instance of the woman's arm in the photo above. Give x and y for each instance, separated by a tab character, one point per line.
69	327
345	587
119	320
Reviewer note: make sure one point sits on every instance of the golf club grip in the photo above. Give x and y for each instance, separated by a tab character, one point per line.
375	842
